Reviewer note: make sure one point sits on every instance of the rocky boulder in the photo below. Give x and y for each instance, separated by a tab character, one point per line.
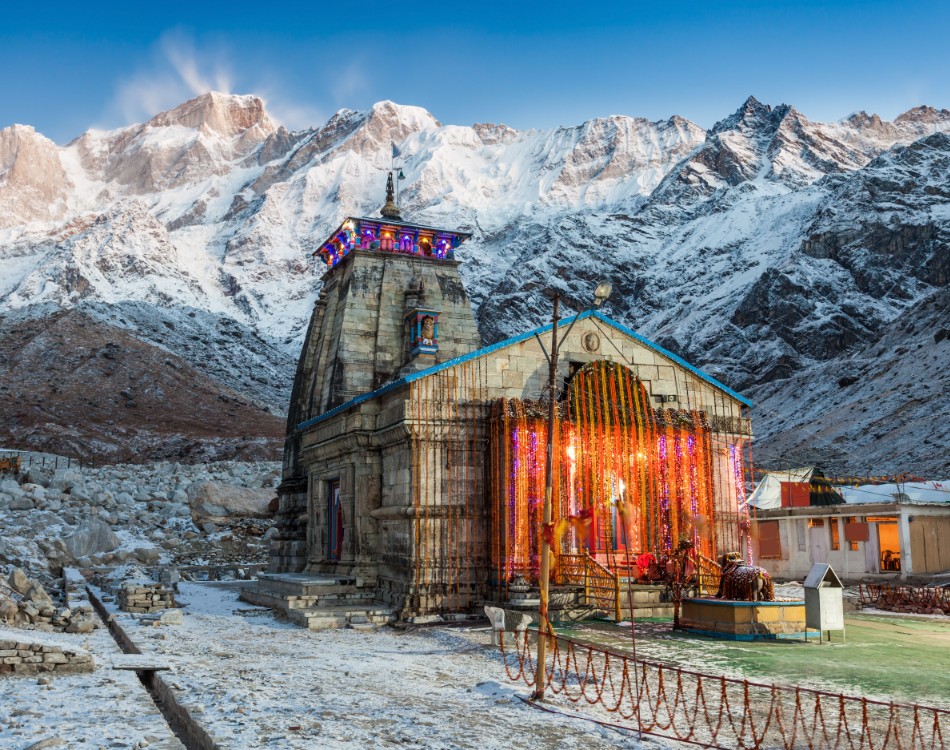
19	581
221	503
93	537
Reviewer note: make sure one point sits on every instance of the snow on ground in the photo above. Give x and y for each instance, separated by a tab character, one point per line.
255	682
103	709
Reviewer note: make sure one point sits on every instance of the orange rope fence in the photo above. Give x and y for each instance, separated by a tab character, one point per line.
722	712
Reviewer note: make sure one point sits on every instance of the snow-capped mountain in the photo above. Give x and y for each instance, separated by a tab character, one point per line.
770	247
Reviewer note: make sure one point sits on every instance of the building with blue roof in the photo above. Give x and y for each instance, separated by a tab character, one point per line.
414	455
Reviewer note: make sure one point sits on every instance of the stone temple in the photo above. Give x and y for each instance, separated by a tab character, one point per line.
414	460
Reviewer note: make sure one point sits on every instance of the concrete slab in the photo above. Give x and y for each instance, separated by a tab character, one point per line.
138	662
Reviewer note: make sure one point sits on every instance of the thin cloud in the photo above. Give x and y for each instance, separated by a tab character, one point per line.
178	71
182	56
348	84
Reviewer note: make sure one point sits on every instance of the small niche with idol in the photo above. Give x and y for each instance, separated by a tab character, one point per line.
423	331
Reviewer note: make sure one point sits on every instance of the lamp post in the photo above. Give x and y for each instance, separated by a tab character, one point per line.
544	626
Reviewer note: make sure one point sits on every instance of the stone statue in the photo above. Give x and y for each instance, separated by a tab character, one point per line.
428	330
744	583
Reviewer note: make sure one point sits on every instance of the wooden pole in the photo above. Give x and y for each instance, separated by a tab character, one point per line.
544	627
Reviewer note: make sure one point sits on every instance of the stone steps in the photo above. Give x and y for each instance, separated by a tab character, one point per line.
319	602
306	585
332	599
357	618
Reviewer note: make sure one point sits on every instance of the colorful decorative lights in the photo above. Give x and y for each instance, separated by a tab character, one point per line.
380	236
616	459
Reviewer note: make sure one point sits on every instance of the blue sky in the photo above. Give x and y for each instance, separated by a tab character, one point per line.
71	66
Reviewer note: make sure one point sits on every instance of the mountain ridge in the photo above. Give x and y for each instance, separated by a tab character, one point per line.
766	247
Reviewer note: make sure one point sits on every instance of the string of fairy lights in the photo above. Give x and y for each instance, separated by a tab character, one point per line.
627	475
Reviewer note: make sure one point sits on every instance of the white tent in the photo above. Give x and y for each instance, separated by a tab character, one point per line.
906	492
768	492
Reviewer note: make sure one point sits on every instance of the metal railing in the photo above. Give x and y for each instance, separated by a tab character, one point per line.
17	460
601	585
708	573
918	599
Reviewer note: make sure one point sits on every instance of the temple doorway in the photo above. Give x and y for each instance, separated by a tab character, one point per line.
629	478
334	522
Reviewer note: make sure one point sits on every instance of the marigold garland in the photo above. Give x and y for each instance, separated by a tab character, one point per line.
618	461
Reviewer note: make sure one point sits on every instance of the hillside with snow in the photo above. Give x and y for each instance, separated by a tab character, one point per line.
803	263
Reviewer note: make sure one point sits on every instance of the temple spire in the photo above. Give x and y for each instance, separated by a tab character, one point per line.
390	210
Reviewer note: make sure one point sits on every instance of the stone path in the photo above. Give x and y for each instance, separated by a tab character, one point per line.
255	682
104	709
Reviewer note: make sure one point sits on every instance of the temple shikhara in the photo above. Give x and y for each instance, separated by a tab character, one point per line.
414	462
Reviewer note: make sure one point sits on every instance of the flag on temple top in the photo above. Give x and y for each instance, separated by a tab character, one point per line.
396	151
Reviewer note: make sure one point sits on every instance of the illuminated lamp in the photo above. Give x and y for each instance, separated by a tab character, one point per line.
602	292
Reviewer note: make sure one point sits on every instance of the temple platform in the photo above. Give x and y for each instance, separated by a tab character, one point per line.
744	621
570	604
649	600
318	602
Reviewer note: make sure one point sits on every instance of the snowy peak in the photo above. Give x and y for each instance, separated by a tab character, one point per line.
393	115
225	114
752	117
33	183
761	144
388	123
606	159
939	118
862	121
203	137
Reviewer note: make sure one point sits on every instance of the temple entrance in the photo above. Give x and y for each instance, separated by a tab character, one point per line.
334	522
629	478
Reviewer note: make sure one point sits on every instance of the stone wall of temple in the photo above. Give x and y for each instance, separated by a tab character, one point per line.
412	462
356	341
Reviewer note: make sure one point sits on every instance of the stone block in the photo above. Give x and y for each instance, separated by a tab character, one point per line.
512	379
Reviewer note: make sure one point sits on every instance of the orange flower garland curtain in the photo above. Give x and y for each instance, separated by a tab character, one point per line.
642	476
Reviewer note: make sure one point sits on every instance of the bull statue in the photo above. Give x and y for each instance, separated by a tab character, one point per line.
744	583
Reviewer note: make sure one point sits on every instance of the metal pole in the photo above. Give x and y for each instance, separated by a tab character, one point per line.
544	627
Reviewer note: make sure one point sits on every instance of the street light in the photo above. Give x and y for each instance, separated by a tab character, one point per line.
601	293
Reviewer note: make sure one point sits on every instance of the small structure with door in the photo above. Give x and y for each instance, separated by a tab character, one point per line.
824	600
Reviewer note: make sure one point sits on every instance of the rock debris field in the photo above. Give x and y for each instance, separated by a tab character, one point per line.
156	513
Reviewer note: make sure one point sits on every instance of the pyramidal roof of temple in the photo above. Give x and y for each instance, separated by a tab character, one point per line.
498	346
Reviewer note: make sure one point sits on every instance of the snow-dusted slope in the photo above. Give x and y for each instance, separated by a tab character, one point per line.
769	246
